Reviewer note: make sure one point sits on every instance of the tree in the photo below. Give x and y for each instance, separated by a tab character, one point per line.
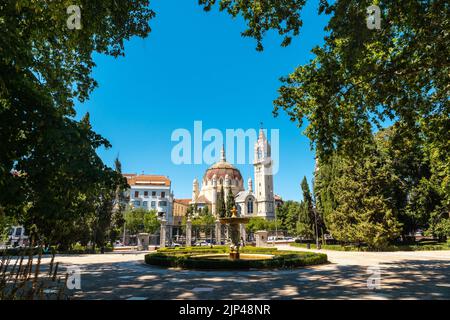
309	215
364	211
304	230
141	220
205	211
359	78
117	219
258	223
189	211
288	215
262	16
231	202
51	178
221	208
151	222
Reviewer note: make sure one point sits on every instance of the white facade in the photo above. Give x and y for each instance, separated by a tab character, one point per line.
258	201
152	193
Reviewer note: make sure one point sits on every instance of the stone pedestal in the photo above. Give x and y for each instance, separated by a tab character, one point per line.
188	233
218	233
162	237
261	238
143	241
235	255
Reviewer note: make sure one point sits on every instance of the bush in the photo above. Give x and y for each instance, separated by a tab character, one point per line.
186	258
392	248
76	249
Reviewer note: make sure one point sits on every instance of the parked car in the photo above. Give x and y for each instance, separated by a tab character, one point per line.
202	244
175	245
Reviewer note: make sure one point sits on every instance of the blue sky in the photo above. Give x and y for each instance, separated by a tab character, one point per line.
196	66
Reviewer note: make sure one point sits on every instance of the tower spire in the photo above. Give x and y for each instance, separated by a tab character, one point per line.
262	135
222	154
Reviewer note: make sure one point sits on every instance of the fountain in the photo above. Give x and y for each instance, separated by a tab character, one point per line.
234	222
256	258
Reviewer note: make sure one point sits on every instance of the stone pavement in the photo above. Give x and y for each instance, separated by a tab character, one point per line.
404	275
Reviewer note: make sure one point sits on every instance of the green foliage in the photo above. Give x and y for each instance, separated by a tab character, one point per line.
441	228
203	220
390	190
231	203
141	220
390	248
205	211
51	177
258	223
364	212
262	16
190	211
220	204
288	215
119	206
358	79
304	230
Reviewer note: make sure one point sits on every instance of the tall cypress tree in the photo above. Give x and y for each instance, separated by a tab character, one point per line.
231	203
221	209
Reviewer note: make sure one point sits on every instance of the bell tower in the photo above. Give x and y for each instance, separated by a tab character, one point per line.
264	177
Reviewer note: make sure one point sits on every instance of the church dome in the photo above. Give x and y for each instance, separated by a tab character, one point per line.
221	169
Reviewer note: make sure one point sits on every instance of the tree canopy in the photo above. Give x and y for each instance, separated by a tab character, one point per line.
50	174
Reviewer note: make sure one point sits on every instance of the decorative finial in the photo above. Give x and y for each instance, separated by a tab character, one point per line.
222	154
234	212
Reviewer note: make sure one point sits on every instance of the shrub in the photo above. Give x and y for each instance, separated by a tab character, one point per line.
392	248
77	249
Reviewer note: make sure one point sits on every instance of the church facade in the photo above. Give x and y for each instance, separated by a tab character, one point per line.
255	201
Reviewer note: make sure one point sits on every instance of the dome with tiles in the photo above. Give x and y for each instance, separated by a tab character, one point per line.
221	169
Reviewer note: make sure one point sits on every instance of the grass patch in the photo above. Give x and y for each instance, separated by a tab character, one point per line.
186	258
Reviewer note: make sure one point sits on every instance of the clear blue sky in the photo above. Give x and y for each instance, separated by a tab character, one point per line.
196	66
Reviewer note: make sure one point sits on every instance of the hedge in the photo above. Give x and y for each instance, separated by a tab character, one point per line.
281	260
391	248
213	250
35	251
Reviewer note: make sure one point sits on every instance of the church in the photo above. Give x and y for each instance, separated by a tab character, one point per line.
257	201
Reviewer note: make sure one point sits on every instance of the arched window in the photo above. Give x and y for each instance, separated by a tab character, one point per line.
250	206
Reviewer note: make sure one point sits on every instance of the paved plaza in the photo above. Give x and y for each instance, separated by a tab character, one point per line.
404	275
